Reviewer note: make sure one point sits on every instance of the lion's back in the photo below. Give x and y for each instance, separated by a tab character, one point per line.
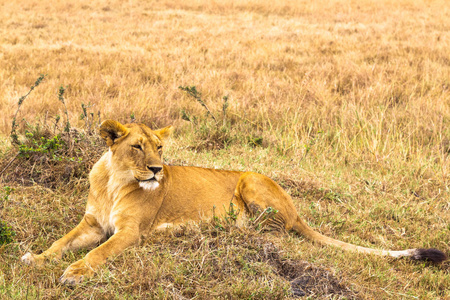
194	193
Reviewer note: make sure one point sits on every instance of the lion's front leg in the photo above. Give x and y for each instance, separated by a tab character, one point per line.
85	268
86	234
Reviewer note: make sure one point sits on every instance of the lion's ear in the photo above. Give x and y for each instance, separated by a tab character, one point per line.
165	132
111	130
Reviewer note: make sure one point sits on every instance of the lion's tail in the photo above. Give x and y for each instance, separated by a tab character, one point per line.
433	255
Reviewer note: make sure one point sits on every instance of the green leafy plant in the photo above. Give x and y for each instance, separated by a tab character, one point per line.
7	190
6	233
232	214
216	220
35	144
229	219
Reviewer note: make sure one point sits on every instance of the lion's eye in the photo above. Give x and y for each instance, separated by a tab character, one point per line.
159	148
137	147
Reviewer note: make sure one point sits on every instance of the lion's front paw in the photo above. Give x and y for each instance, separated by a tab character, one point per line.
76	273
31	259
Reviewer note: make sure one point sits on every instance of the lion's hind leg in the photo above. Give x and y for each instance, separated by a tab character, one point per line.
266	202
265	199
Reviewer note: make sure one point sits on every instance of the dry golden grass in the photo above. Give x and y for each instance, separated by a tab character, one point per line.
351	100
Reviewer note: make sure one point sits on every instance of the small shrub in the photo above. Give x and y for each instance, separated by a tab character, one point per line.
89	117
210	133
216	130
61	92
48	153
13	134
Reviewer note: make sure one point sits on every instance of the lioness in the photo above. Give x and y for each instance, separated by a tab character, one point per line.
133	193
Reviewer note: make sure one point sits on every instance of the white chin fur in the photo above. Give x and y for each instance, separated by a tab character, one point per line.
149	185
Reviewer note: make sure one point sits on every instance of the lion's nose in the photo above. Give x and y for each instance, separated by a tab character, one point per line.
154	169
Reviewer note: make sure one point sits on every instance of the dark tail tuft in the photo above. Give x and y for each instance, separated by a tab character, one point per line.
433	255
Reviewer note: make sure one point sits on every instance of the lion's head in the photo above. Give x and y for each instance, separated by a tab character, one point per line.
136	151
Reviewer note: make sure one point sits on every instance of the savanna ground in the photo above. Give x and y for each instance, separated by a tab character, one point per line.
344	103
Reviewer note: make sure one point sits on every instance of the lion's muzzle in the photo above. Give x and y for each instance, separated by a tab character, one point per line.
149	180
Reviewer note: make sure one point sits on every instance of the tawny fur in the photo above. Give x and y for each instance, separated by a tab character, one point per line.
132	193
